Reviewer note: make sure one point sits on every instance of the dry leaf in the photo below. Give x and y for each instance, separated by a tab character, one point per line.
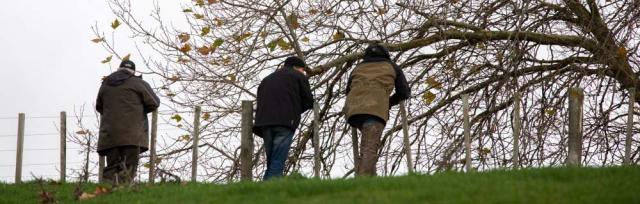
293	19
184	37
185	48
313	11
177	117
328	12
200	3
115	24
206	116
46	197
283	44
428	97
499	57
198	16
338	36
205	31
188	10
227	61
183	60
100	191
204	50
107	60
212	1
232	77
218	42
433	83
550	111
86	196
127	57
485	151
450	64
174	78
97	40
82	132
305	39
219	22
242	37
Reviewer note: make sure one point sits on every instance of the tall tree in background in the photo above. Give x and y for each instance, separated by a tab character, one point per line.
488	49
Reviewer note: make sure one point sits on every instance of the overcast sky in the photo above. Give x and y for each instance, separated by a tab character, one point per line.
48	65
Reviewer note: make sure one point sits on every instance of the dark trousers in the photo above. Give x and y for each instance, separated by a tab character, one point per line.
277	142
122	164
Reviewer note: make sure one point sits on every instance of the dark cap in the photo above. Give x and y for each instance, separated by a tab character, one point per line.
377	50
128	64
294	62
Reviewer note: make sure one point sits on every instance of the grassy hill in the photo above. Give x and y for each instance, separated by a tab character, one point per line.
549	185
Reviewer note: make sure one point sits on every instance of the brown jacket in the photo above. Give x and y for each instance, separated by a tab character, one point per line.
370	88
123	103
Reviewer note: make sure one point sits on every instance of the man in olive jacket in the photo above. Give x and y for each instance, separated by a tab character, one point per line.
368	102
123	103
282	97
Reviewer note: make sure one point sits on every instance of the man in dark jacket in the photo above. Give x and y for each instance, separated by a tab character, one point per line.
282	97
368	102
123	103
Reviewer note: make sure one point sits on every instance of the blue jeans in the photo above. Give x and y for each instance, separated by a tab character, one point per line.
277	142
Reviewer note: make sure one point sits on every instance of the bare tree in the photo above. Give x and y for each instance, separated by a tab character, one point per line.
488	49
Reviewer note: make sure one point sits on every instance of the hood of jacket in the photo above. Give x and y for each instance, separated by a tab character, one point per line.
376	51
118	78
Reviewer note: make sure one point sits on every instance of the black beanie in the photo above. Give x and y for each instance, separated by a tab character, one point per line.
376	50
294	62
128	64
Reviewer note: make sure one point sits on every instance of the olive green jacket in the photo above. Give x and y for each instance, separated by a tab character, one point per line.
371	85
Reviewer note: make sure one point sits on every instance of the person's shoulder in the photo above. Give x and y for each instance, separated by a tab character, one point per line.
296	74
137	81
376	63
271	76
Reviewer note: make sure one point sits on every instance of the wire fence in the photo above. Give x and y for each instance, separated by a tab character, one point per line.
573	145
45	163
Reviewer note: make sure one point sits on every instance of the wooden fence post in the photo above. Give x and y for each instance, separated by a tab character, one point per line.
63	146
152	148
316	140
467	135
516	130
405	134
196	138
101	164
246	142
356	152
629	138
19	148
576	98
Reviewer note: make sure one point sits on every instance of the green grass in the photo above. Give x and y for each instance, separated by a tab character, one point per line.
549	185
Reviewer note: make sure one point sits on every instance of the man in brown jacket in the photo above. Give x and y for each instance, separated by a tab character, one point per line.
123	103
368	102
